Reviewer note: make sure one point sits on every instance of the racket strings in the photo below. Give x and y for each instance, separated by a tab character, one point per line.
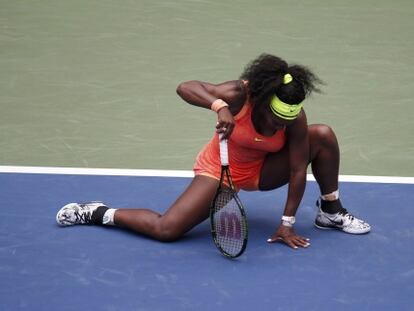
230	227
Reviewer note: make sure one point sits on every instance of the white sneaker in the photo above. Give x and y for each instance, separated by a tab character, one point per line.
342	221
77	213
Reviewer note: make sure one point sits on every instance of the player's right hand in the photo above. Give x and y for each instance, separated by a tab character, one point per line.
225	123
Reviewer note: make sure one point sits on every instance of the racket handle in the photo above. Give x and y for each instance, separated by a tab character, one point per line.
224	155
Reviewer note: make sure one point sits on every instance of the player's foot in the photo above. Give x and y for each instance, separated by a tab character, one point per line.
342	220
79	213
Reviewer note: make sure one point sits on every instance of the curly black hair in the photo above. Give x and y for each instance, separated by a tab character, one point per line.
265	75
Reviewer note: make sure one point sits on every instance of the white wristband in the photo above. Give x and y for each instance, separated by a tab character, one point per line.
288	221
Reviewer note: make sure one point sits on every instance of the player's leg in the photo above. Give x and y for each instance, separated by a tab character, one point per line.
191	208
324	159
323	156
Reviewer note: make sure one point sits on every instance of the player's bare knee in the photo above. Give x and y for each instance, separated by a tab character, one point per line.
169	236
167	233
324	133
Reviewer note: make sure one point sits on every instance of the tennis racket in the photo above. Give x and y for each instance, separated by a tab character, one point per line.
227	216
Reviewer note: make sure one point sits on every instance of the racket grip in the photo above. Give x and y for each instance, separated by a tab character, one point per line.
224	155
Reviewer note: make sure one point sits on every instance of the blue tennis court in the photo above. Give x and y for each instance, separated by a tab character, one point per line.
45	267
92	84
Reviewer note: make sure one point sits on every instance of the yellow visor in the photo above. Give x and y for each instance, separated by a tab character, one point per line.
283	110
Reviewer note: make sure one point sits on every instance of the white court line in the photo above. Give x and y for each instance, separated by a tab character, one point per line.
94	171
174	173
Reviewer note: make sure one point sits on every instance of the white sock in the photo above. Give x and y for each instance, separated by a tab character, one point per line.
331	196
108	218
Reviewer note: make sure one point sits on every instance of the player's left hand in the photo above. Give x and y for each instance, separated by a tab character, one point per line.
288	236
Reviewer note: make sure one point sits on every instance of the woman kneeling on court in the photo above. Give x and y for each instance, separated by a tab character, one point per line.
270	144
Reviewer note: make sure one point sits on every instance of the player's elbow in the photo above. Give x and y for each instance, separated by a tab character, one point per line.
183	88
298	171
186	89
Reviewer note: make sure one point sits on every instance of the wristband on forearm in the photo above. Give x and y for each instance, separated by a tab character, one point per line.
288	221
218	104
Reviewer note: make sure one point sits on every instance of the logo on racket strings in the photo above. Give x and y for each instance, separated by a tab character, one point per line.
230	225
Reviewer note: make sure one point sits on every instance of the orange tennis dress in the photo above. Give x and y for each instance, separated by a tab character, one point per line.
247	150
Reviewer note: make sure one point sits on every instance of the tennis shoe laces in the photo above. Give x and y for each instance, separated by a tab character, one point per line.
77	213
342	220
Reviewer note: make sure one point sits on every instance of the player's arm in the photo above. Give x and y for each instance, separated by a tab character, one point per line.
204	94
298	144
298	158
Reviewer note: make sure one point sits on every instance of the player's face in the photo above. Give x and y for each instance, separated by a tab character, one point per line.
275	123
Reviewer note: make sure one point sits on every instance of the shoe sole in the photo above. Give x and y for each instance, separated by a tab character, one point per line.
340	229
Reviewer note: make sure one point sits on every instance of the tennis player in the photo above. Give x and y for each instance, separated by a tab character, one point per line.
270	144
